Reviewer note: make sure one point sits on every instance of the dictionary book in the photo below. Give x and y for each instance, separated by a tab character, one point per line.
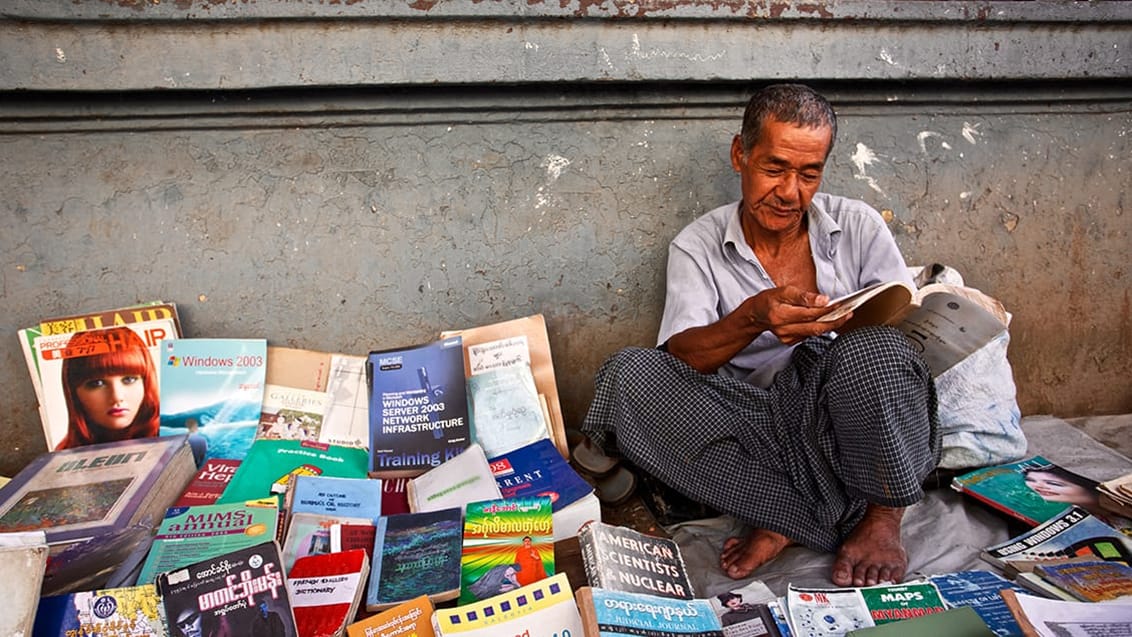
418	407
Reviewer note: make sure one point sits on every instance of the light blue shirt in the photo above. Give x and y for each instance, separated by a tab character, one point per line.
712	270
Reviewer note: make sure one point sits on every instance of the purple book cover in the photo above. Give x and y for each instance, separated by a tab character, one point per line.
79	493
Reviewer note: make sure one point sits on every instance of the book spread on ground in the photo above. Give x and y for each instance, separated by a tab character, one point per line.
209	482
212	389
23	561
291	413
825	611
418	407
1095	581
414	554
456	482
326	591
946	322
1075	532
508	543
744	611
505	409
309	534
980	591
190	534
1053	618
1016	488
243	592
271	465
413	617
538	469
545	608
521	341
348	497
84	492
342	377
128	611
47	345
611	613
624	559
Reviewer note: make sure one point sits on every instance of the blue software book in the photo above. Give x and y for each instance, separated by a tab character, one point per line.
418	407
212	389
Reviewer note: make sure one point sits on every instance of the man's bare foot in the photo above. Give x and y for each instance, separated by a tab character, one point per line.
873	552
741	556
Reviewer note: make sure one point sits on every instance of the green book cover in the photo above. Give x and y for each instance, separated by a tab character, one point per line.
193	533
898	602
270	467
956	622
508	543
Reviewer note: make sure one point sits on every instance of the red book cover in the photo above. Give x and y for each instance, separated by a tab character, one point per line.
348	536
394	496
326	591
209	483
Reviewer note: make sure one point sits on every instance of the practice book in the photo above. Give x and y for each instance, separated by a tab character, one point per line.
84	492
418	407
212	389
946	322
508	543
414	554
242	592
46	346
271	466
545	608
611	613
1016	488
1075	532
190	534
624	559
538	469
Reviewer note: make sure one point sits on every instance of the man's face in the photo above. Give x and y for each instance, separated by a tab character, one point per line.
188	622
780	174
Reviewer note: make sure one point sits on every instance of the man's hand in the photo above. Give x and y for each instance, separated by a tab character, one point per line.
790	313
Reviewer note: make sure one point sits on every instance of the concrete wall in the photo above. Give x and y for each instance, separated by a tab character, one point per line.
358	176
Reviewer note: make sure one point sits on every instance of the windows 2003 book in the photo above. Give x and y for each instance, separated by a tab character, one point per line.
212	388
84	492
418	407
242	592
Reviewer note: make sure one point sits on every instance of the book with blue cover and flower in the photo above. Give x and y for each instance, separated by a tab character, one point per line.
212	389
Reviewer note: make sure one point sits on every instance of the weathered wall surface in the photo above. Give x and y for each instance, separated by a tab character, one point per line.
354	212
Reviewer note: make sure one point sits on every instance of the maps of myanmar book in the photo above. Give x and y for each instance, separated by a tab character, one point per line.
84	492
508	543
418	407
47	345
212	388
241	592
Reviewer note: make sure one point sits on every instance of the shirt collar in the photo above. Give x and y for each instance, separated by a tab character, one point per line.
824	231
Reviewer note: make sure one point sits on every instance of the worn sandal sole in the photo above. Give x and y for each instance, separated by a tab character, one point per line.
590	459
617	487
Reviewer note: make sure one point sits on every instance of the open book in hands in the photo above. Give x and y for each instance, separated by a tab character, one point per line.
945	322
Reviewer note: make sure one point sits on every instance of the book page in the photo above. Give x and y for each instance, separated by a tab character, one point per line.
946	328
347	415
873	305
